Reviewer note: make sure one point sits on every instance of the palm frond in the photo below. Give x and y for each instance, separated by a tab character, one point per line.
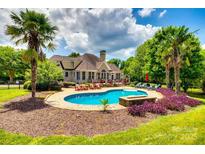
16	18
29	54
51	46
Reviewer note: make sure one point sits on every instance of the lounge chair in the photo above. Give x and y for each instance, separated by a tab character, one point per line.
78	88
84	87
154	87
144	85
158	86
97	86
91	86
138	85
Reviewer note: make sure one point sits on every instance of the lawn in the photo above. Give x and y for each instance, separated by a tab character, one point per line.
197	94
8	94
183	128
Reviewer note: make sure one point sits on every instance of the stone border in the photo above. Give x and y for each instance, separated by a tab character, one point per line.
57	99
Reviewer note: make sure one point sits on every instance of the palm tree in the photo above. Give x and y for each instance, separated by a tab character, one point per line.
174	38
168	65
35	30
105	103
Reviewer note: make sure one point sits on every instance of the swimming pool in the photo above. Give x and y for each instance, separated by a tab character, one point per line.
94	98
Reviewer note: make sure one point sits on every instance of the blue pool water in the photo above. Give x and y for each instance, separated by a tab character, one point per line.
94	98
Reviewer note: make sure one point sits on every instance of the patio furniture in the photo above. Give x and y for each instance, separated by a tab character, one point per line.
138	85
78	88
84	87
144	85
91	86
97	86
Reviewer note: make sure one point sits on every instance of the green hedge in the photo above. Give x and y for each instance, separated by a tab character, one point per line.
68	84
44	86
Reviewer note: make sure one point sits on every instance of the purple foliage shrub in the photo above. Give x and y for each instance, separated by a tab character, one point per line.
187	100
166	92
174	100
137	110
171	104
140	110
171	101
156	108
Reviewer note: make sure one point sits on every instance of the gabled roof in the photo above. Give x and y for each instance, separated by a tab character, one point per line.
65	58
114	68
67	62
89	62
84	62
99	64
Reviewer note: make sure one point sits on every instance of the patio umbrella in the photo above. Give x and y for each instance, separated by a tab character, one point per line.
147	77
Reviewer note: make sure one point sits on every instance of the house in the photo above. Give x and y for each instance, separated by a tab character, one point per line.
88	68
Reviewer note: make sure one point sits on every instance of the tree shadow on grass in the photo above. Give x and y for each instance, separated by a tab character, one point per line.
25	105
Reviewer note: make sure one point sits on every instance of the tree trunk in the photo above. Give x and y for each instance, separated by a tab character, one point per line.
33	76
10	79
167	75
177	77
11	76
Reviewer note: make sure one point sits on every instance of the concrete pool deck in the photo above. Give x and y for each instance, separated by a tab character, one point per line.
57	99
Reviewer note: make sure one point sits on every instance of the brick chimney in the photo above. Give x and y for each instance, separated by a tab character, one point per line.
102	55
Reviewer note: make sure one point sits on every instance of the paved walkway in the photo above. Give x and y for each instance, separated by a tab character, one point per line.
57	99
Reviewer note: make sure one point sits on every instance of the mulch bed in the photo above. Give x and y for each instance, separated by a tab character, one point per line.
35	118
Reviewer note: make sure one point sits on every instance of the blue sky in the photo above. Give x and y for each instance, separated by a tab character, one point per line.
118	31
192	18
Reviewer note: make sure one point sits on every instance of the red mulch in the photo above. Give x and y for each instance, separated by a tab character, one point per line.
34	117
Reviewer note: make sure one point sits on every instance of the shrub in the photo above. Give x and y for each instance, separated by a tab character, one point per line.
27	85
186	100
48	76
137	110
172	104
166	92
44	86
176	102
203	85
156	108
68	84
55	86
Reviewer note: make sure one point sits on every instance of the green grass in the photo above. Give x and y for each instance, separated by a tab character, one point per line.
8	94
197	94
183	128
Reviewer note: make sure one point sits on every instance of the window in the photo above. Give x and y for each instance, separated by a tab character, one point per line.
93	73
89	76
98	75
112	76
83	75
118	76
103	74
78	75
66	74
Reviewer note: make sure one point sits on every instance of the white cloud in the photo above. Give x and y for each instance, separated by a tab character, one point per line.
203	46
161	14
91	30
146	12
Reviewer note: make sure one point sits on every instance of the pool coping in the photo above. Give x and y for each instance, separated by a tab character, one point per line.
57	99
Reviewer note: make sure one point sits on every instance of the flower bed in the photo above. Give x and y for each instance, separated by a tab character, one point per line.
171	101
